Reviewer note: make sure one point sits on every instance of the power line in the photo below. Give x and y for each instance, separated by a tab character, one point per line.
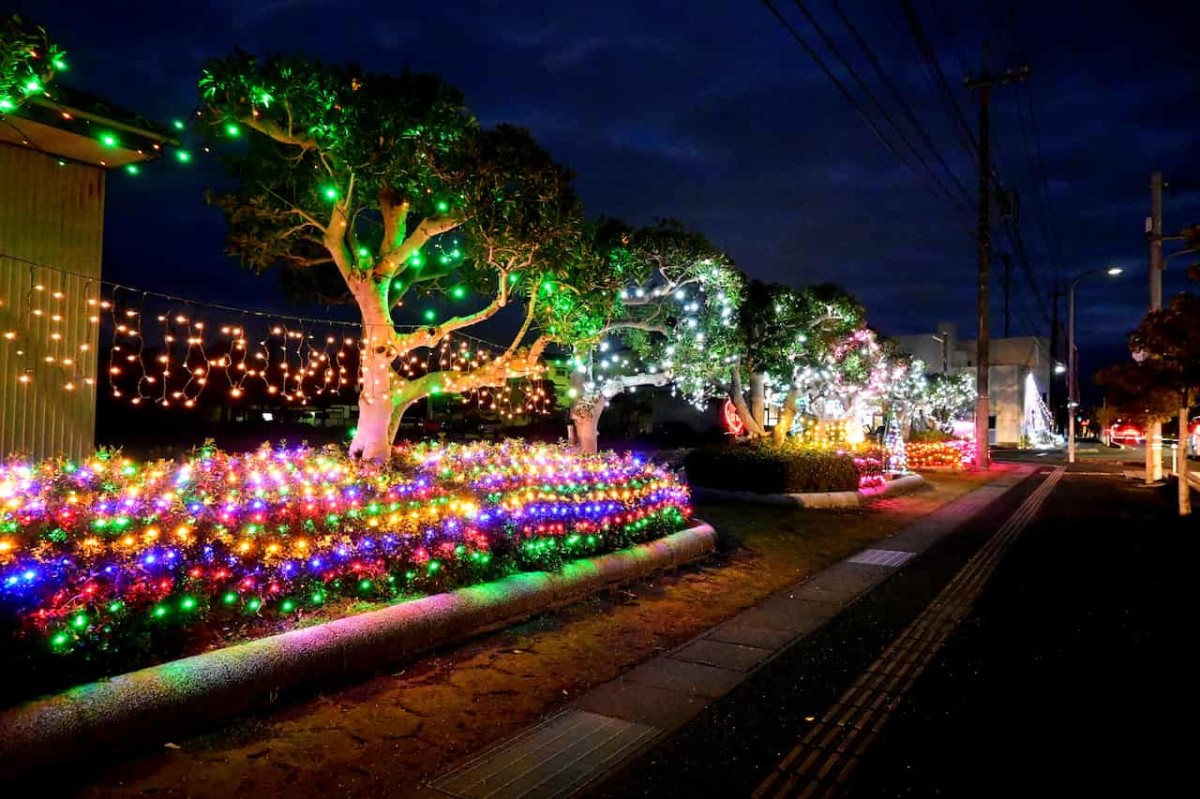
820	62
887	117
888	83
966	136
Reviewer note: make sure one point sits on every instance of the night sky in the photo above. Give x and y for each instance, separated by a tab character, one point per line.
711	113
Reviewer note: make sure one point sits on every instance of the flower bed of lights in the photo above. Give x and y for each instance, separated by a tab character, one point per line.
869	463
108	554
954	453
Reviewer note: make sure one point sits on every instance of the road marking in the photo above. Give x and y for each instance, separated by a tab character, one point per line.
827	754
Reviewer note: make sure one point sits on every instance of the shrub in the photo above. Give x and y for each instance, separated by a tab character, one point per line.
771	468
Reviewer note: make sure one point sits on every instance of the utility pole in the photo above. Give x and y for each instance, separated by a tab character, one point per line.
983	83
1006	259
1055	342
1154	233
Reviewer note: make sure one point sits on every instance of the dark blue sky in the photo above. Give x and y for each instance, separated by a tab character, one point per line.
711	113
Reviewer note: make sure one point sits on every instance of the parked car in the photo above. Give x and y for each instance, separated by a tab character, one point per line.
1127	435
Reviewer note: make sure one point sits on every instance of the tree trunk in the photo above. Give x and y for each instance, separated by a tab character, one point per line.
758	398
1185	495
787	414
376	401
586	418
753	428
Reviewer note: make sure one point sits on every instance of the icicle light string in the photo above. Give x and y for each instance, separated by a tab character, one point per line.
295	358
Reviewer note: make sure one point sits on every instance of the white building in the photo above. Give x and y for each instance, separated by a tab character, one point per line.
1019	372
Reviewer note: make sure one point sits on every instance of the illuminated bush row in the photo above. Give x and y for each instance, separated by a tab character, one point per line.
95	550
955	453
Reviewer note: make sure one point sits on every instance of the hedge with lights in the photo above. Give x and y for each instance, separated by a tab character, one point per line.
954	453
109	560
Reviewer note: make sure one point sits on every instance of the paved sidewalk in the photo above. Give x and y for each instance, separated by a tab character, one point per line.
611	724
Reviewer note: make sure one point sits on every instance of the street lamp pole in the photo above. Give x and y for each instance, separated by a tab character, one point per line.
1073	359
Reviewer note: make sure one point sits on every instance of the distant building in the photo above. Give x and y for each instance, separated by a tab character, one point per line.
1018	375
53	158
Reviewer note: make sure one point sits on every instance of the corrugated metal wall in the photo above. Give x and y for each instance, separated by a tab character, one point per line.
52	215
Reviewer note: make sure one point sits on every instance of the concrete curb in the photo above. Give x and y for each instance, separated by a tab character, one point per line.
160	702
826	500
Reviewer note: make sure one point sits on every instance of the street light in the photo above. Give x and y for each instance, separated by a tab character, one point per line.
1072	358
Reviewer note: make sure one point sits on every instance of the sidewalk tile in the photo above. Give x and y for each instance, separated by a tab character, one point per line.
736	631
681	675
645	704
792	615
735	657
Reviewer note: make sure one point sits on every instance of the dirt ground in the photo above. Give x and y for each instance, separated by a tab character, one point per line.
381	737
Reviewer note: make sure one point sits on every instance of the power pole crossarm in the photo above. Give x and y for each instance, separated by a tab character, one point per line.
983	83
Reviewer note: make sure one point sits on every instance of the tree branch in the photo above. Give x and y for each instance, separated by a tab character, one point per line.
270	129
647	326
529	313
394	259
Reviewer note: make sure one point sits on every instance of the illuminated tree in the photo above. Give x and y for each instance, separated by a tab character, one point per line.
1164	378
366	187
649	307
29	62
947	397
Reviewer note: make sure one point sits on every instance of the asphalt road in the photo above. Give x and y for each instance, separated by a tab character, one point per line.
1068	677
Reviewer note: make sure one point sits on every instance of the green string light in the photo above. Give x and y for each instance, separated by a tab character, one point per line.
6	104
108	140
183	156
232	130
443	206
178	123
458	292
330	193
430	315
132	169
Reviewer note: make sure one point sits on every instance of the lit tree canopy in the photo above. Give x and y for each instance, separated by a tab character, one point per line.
797	341
365	187
658	312
947	397
29	60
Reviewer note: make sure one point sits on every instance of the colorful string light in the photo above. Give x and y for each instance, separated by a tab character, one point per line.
96	552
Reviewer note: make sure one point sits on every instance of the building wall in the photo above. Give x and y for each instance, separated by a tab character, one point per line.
49	214
1011	360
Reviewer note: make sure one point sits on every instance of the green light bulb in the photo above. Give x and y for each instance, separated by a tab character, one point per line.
60	65
254	604
232	130
188	603
34	85
183	156
6	104
365	585
178	123
108	140
443	206
363	252
288	606
430	315
229	598
80	621
458	292
132	169
330	193
59	640
159	612
318	597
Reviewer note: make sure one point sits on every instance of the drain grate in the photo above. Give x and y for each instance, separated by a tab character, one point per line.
551	760
882	557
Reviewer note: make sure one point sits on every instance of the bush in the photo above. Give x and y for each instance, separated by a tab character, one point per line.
770	468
